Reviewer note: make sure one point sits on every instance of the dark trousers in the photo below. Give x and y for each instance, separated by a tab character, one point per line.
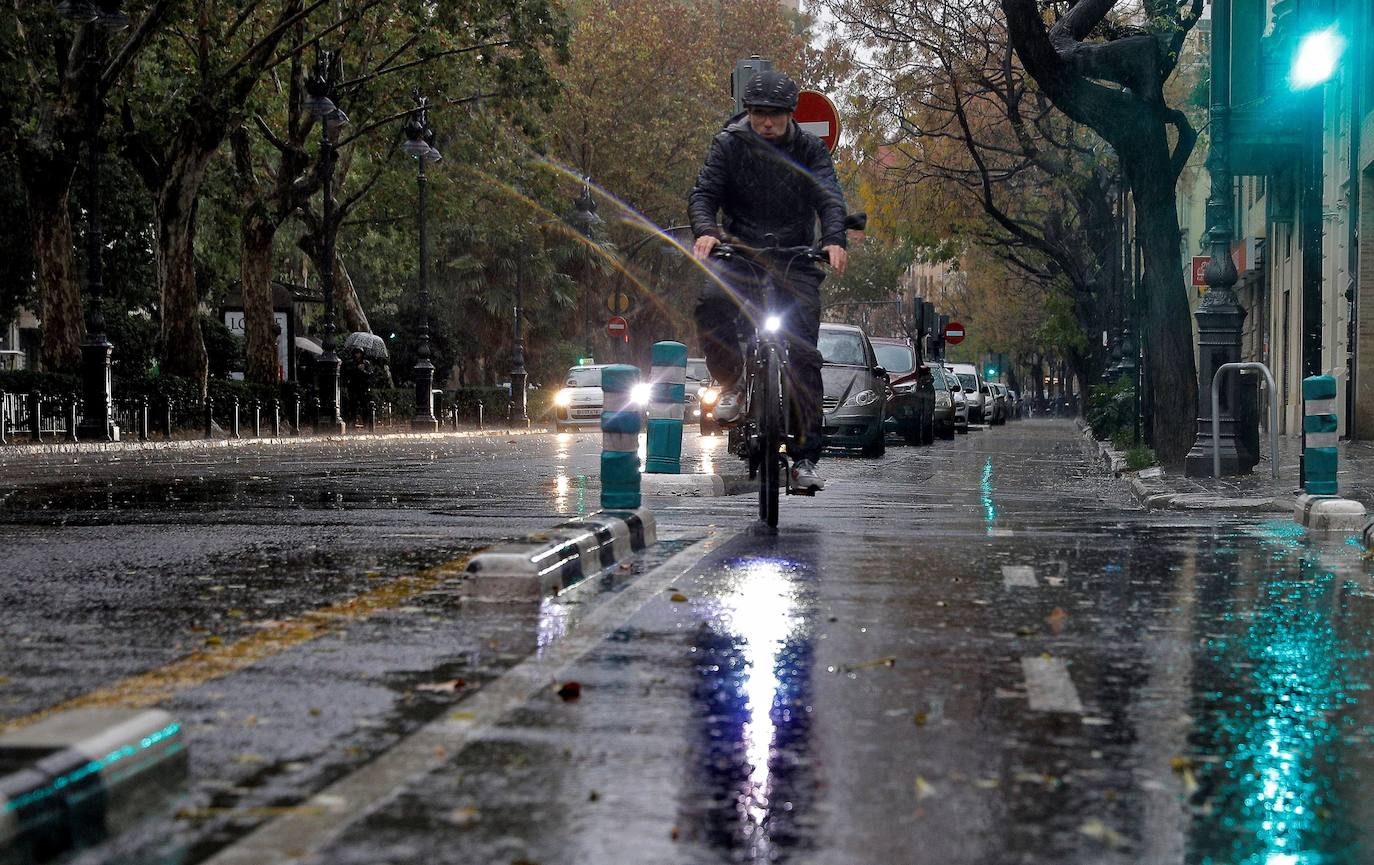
725	314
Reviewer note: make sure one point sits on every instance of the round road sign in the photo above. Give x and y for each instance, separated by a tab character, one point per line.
618	326
954	333
817	114
618	303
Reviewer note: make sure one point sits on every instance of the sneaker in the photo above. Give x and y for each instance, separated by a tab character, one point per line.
728	406
805	476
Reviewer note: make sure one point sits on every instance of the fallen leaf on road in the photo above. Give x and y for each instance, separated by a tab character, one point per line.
1028	631
4	680
924	788
570	691
250	759
593	796
987	783
1057	620
463	716
462	816
677	598
449	687
919	719
885	661
214	641
675	834
1100	831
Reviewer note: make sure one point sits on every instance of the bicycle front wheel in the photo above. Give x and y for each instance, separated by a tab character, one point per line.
770	426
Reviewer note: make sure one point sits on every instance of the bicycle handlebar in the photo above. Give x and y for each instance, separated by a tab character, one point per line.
729	250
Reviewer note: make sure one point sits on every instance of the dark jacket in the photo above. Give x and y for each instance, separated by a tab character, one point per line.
765	188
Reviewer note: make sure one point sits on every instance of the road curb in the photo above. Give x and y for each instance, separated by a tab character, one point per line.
78	777
210	444
682	485
1329	513
547	563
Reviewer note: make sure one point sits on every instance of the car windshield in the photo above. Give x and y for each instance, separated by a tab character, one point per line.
696	370
842	347
580	377
969	381
895	358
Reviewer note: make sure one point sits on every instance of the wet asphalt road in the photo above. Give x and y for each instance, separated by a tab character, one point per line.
976	652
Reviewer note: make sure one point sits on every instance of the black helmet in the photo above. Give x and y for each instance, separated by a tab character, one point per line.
769	89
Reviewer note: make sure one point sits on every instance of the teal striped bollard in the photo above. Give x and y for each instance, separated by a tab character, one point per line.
1319	426
619	438
668	391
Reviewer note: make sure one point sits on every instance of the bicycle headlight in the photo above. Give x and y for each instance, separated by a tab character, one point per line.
772	324
708	395
563	398
863	397
640	393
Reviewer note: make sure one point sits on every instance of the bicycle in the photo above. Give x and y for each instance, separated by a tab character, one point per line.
767	417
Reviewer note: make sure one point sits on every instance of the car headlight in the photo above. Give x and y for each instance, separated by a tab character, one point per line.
907	387
640	393
863	397
563	398
708	395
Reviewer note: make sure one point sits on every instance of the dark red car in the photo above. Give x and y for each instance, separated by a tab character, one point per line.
911	406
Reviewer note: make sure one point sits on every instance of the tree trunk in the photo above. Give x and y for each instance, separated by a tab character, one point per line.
346	297
184	345
59	289
1167	327
256	233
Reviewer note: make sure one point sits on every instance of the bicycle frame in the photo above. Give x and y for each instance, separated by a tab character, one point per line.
768	402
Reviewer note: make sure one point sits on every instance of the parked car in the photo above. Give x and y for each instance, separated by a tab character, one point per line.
943	418
855	397
973	390
580	401
911	403
994	403
960	397
1004	403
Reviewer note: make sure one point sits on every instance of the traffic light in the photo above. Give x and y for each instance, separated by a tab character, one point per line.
918	316
990	372
1315	61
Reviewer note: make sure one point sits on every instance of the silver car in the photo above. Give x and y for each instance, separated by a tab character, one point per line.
855	399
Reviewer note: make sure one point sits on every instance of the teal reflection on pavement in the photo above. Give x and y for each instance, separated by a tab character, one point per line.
1275	795
989	508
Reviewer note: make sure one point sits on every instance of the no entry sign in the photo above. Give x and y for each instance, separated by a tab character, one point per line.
817	114
954	333
618	326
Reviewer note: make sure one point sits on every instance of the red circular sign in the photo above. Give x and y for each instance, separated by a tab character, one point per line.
954	333
819	116
618	326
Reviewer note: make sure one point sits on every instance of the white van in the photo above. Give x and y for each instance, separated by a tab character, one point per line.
968	376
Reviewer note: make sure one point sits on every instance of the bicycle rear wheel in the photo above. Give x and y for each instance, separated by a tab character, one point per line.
770	426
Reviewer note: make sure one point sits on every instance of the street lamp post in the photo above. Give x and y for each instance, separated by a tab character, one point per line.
96	379
319	102
1220	315
517	413
585	220
420	144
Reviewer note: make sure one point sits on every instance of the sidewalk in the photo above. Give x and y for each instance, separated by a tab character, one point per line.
1258	491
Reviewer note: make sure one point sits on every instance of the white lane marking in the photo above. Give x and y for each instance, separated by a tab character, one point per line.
324	817
1018	576
1049	687
999	533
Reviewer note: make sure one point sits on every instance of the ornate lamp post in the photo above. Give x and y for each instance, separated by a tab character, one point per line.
419	144
319	102
96	349
1220	316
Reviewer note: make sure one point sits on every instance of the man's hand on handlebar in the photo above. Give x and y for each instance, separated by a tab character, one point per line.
701	250
839	257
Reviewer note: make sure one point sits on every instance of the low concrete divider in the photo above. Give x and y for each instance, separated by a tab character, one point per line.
78	777
547	563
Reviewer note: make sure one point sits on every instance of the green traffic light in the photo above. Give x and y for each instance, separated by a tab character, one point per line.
1316	59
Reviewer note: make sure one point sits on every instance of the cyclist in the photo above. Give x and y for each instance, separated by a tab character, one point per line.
772	181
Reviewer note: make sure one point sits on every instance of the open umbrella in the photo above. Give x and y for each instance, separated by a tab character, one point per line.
308	345
372	345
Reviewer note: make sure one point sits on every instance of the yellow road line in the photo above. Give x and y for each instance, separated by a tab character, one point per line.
155	686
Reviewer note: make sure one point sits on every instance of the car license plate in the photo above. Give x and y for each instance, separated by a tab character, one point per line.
586	412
